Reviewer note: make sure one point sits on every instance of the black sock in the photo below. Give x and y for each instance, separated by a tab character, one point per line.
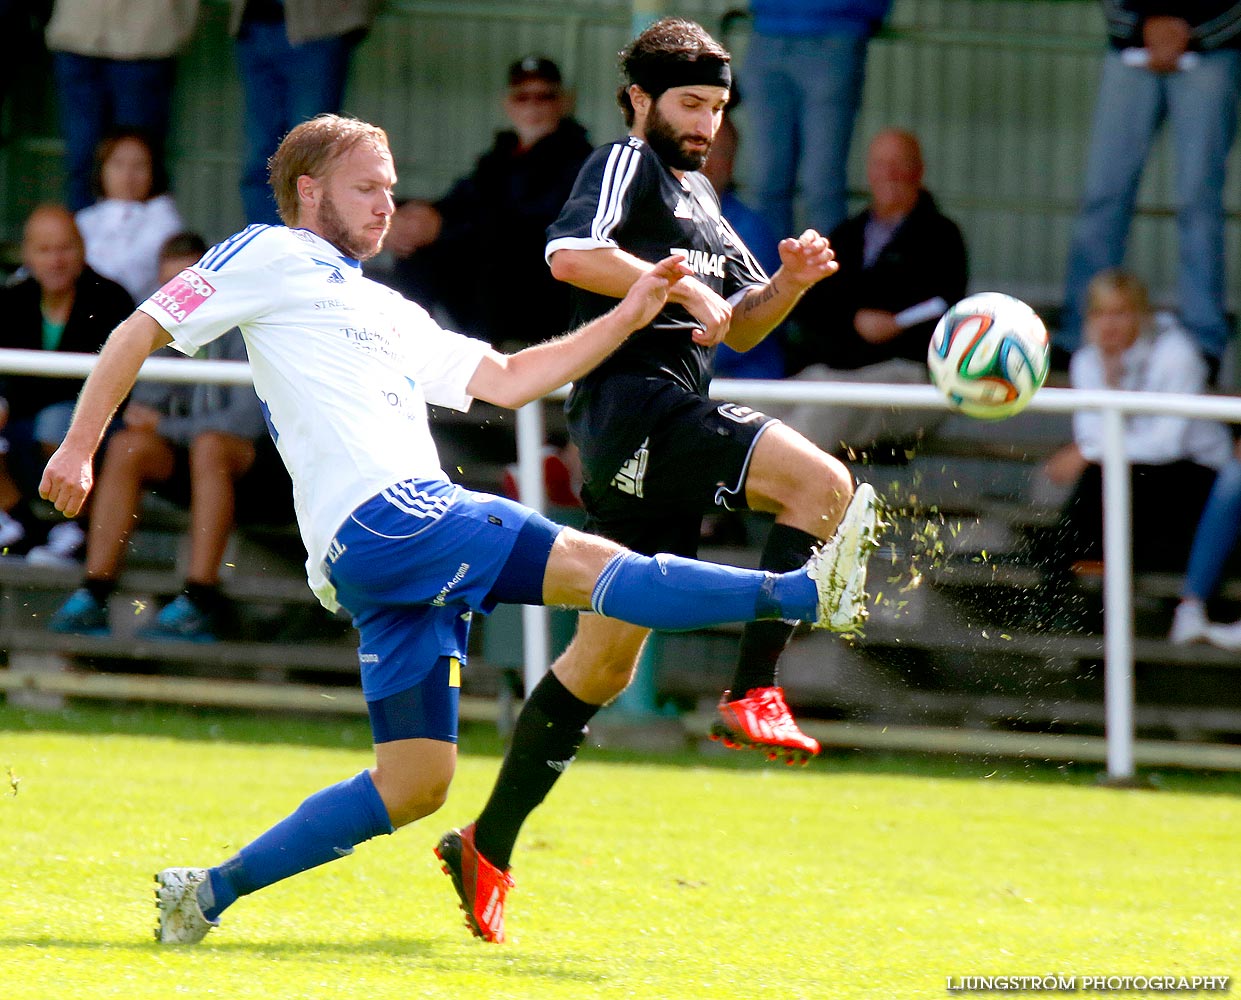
762	642
206	597
548	733
101	589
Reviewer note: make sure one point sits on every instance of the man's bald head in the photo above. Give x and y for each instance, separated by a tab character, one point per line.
52	248
894	173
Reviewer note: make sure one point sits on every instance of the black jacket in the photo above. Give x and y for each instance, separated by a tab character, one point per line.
98	307
1215	24
493	236
924	259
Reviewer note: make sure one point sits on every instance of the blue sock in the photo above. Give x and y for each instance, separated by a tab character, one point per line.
670	592
325	827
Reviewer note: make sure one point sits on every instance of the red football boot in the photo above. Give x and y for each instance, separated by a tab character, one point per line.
761	719
480	885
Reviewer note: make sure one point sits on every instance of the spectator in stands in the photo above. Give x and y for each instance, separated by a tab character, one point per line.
205	440
293	56
1184	68
803	83
115	66
506	203
125	229
767	359
902	263
1174	459
1213	546
62	305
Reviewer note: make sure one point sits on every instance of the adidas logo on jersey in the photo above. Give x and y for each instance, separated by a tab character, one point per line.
702	262
683	210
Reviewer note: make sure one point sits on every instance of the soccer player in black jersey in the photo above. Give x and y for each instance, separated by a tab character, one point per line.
656	451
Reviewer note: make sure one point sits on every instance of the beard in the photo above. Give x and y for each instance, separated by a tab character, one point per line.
669	145
358	244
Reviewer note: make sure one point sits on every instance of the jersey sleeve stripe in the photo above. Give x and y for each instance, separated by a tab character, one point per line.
222	253
576	243
621	169
750	260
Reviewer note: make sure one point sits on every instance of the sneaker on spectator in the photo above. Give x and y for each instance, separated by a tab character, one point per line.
181	619
63	548
81	614
12	531
1189	623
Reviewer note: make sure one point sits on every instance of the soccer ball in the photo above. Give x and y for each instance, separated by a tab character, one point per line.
989	355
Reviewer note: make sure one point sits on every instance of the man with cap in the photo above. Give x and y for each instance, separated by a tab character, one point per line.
505	204
656	451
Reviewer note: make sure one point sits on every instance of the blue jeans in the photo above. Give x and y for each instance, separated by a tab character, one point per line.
99	94
802	96
1216	536
284	86
1200	106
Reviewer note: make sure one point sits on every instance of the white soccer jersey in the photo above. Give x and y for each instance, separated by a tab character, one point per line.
343	365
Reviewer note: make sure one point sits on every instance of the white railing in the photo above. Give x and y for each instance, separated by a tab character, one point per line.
1117	530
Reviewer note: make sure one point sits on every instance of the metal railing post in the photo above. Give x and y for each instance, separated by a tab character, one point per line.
535	644
1117	598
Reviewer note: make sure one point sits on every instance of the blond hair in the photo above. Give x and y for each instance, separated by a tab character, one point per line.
311	149
1121	282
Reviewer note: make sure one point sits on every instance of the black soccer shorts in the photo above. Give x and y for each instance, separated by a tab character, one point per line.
696	459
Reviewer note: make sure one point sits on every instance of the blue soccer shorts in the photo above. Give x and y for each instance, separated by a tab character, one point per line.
413	563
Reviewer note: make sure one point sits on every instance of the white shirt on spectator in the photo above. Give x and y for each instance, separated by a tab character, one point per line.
123	239
1162	359
343	366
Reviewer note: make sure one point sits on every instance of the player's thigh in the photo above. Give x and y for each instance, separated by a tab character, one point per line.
792	478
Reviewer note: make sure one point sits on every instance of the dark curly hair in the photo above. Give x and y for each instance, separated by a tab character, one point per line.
660	51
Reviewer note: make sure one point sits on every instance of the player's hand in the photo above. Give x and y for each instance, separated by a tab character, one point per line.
649	294
710	309
1166	39
875	326
67	480
414	226
807	259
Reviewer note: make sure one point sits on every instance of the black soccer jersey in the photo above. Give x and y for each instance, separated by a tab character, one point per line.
625	197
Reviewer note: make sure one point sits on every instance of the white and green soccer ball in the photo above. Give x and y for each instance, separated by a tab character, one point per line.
988	355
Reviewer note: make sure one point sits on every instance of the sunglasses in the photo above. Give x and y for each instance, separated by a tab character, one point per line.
534	96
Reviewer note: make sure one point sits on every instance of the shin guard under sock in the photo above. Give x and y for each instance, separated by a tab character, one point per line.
327	826
546	738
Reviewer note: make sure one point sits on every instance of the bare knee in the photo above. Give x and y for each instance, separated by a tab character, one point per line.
408	801
802	485
215	452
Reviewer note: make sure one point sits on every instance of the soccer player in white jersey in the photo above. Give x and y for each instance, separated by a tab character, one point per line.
345	368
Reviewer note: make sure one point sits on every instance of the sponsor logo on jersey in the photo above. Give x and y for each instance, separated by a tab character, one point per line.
457	577
702	261
631	475
740	414
330	304
368	657
183	294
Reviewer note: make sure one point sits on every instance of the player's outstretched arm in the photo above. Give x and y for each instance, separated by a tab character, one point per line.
803	262
68	478
516	379
612	271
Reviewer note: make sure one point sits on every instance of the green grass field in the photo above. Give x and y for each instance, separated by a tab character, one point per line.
676	877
